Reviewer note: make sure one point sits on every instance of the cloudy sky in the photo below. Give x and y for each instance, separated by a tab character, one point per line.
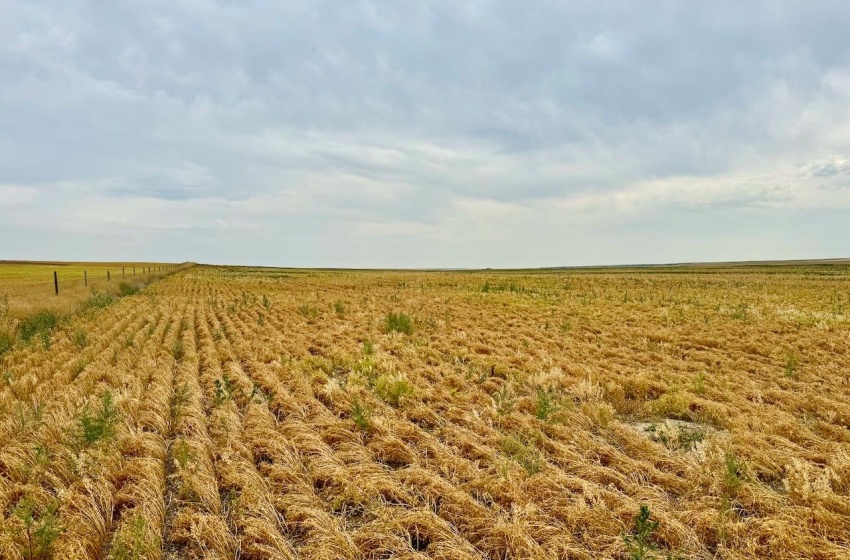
426	133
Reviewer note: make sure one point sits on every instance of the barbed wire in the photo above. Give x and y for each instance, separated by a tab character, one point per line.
103	278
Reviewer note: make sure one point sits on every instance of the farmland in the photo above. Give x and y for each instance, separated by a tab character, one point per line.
29	286
228	412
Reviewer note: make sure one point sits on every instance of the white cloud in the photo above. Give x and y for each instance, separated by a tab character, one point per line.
432	134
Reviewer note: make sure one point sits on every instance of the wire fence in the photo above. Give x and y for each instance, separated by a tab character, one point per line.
60	281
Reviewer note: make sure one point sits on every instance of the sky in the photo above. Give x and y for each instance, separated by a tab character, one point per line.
426	133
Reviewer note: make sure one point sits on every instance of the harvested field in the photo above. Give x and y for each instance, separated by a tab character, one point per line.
271	413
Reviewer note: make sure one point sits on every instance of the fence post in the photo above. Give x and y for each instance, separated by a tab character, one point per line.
86	277
134	271
108	278
56	282
122	272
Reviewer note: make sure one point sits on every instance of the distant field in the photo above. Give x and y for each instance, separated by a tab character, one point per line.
30	285
229	412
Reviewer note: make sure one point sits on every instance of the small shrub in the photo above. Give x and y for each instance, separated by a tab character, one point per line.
178	399
740	312
673	404
177	349
527	457
391	389
733	476
79	366
639	543
39	324
258	395
674	436
504	400
545	405
791	366
398	322
699	384
6	342
125	289
182	453
134	541
360	414
689	437
339	307
99	300
224	389
266	302
80	338
100	426
41	527
368	347
308	312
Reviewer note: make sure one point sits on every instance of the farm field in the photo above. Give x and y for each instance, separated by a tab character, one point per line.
251	413
29	286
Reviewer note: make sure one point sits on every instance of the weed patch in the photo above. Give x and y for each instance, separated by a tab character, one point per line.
39	528
39	324
125	289
100	425
391	389
361	414
398	322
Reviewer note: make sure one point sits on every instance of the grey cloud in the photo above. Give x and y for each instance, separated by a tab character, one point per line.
829	167
365	118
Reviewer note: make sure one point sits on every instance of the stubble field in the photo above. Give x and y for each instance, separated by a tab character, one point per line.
267	413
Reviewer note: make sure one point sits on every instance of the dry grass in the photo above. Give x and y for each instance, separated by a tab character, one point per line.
277	414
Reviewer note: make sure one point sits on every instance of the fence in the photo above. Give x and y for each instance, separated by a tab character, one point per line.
62	281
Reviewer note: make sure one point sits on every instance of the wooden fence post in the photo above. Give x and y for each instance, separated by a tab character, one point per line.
108	278
86	277
56	282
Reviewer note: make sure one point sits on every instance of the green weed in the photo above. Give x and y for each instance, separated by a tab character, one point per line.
6	342
639	543
177	349
101	425
182	453
125	289
98	300
39	324
545	405
528	457
80	338
134	541
224	389
360	414
391	389
309	312
41	527
179	398
398	322
791	366
504	400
